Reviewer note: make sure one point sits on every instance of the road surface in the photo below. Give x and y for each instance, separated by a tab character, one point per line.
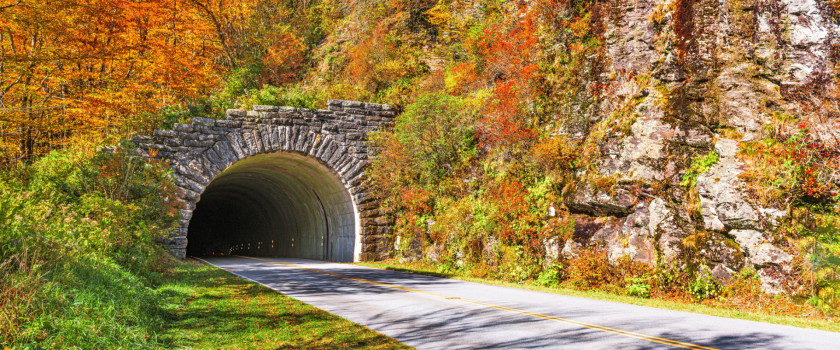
437	313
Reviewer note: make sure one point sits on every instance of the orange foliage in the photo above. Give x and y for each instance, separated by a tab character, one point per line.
283	61
416	201
71	67
556	154
463	76
227	22
591	269
508	50
511	197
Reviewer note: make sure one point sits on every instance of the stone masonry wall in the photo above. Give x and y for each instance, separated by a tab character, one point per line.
335	136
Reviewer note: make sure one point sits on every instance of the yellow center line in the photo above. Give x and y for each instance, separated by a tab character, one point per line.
650	338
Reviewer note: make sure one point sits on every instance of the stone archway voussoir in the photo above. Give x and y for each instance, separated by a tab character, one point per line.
335	137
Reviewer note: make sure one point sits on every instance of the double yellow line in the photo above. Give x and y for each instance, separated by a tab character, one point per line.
650	338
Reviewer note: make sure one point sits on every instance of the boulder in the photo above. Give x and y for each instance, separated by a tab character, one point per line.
552	248
642	154
748	240
571	249
766	254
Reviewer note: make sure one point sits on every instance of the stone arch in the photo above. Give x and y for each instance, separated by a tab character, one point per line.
276	204
313	159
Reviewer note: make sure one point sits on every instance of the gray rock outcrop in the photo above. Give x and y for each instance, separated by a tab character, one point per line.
683	71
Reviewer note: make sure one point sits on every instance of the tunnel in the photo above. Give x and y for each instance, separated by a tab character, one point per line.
278	204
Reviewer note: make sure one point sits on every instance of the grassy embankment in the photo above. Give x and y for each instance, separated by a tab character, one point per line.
211	307
97	304
770	314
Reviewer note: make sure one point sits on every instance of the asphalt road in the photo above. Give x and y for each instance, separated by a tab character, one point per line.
436	313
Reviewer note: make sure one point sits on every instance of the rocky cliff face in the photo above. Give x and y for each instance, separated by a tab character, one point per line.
692	78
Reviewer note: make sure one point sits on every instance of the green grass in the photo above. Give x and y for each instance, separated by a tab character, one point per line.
803	322
81	304
213	309
96	303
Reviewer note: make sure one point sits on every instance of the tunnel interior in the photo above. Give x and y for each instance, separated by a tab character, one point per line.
278	204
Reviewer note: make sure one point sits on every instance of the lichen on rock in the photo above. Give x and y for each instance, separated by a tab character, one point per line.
714	73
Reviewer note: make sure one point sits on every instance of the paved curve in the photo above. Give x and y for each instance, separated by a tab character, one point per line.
436	313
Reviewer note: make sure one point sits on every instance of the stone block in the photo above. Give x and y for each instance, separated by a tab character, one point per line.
264	108
198	143
228	123
164	133
204	121
372	106
183	127
352	104
236	113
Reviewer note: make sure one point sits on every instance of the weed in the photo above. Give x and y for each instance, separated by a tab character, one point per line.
550	275
704	286
699	165
638	287
590	269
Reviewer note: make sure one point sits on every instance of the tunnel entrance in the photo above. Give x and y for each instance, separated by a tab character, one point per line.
278	204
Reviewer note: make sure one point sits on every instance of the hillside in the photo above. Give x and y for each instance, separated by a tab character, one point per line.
677	149
698	138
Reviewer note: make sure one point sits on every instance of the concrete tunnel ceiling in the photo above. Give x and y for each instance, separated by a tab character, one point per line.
275	204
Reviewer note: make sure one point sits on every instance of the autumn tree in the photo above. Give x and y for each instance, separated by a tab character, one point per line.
68	67
265	41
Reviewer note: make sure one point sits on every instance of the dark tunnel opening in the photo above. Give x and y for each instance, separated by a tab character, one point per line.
279	204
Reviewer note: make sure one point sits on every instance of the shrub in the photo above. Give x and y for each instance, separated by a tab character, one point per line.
437	133
515	265
557	155
74	224
590	269
703	286
638	287
67	204
550	275
281	96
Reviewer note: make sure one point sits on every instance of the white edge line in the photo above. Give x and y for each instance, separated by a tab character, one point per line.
289	296
252	280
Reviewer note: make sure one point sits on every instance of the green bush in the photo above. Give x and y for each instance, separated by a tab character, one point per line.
435	137
638	287
550	276
67	204
703	286
77	248
282	96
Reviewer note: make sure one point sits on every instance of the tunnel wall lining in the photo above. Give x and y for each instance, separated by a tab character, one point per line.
275	204
334	137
